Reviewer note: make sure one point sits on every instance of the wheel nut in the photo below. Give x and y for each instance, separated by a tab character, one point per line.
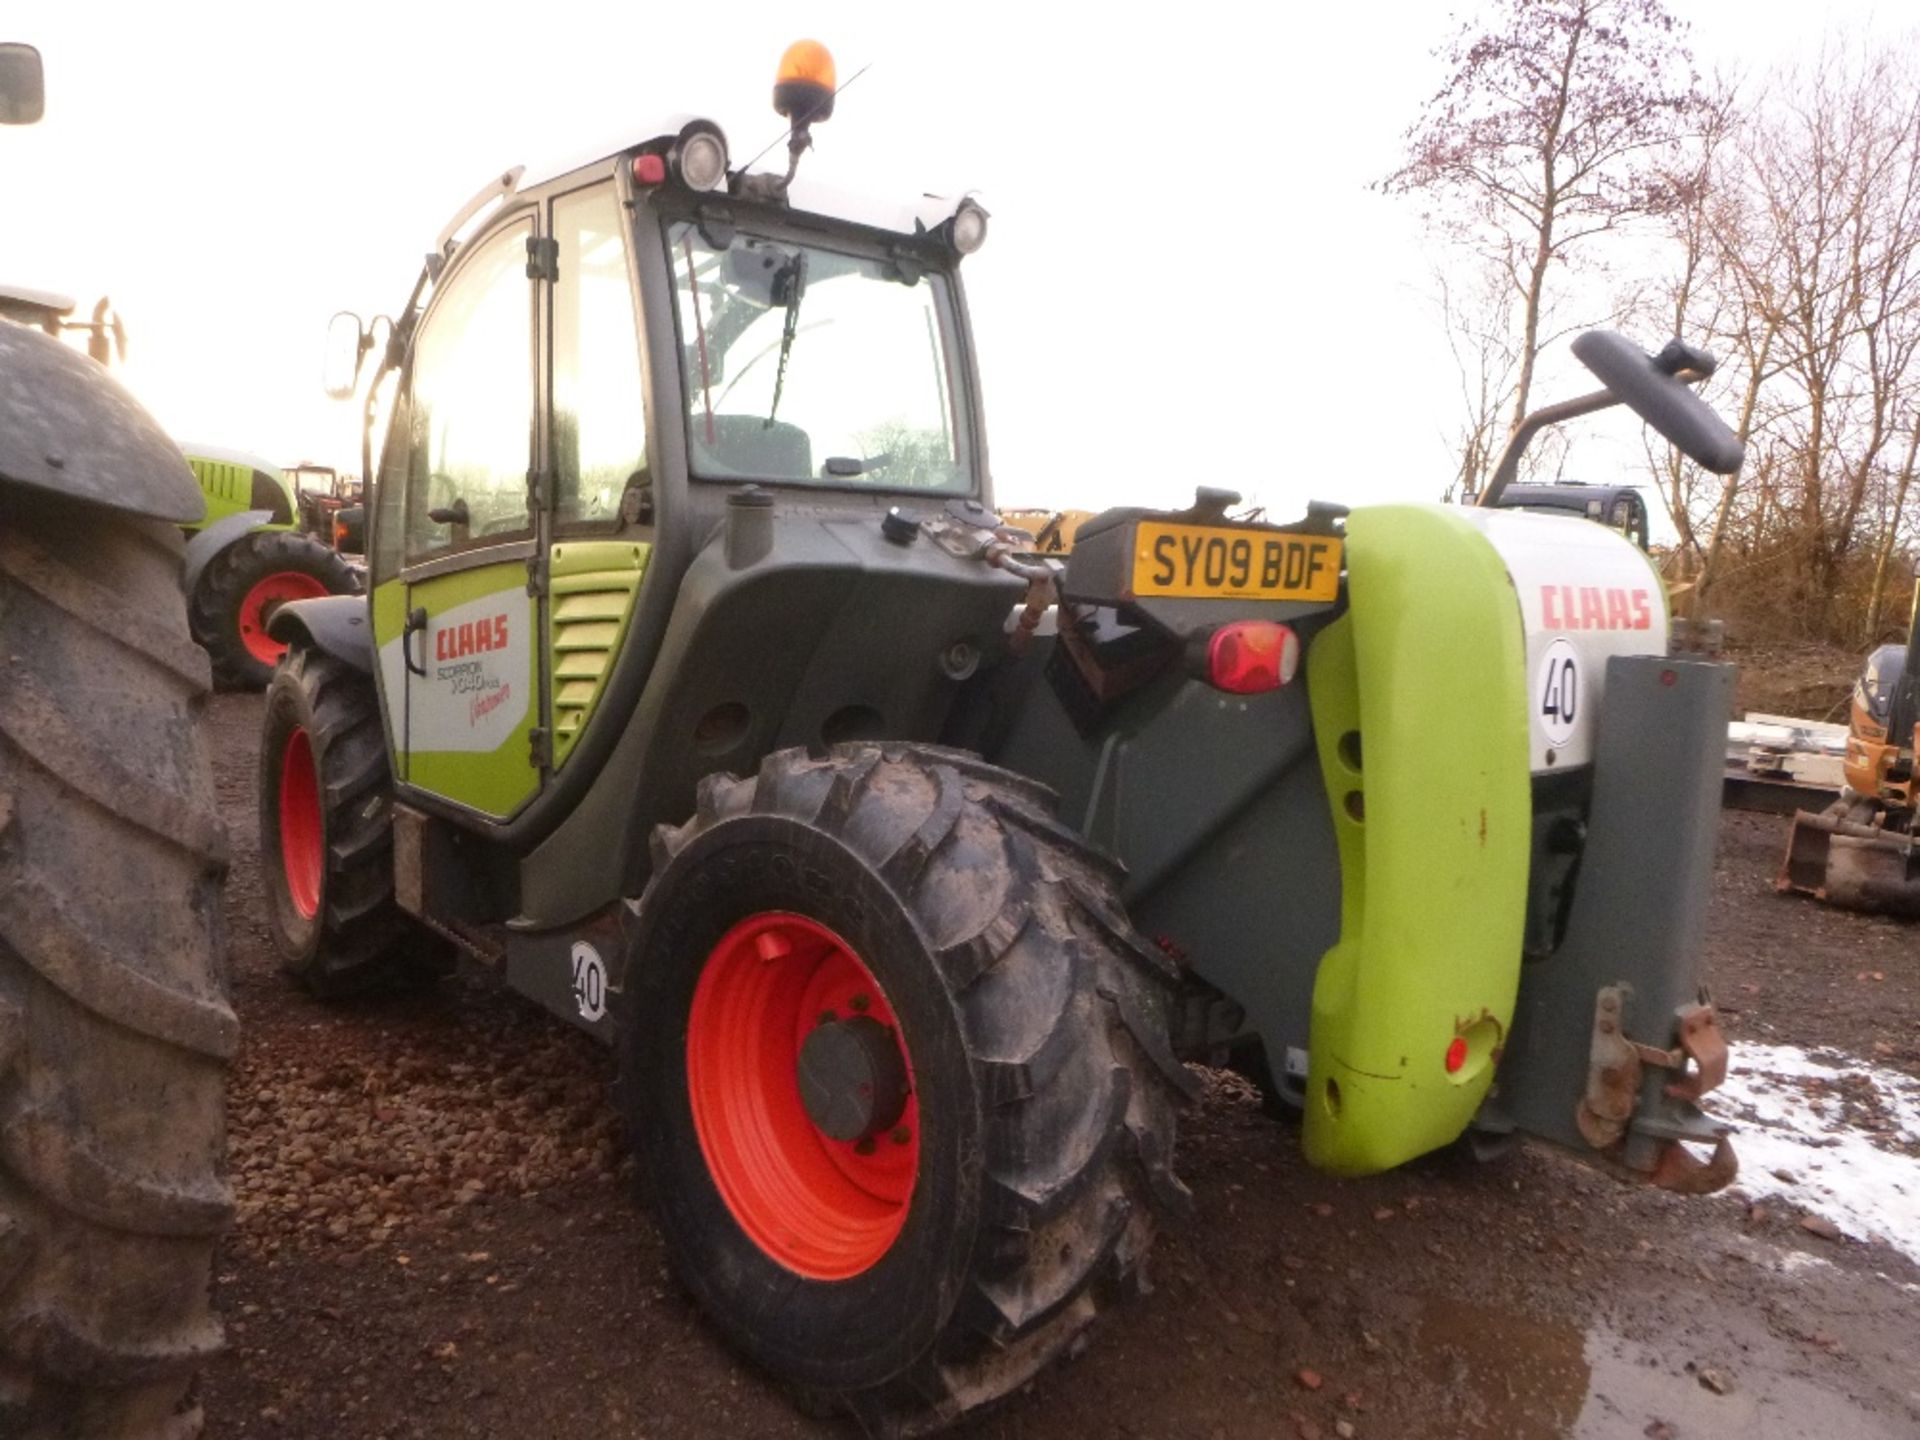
901	1135
863	1146
859	1003
827	1017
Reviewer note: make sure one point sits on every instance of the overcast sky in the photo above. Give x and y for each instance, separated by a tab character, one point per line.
1187	280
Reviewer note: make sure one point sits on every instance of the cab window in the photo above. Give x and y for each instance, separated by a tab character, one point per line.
599	414
469	414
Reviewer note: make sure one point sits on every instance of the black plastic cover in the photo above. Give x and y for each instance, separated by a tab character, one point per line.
67	427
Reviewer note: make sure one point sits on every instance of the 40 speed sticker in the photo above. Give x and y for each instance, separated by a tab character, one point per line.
589	982
1556	691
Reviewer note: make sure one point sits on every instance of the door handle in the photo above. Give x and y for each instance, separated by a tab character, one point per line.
416	621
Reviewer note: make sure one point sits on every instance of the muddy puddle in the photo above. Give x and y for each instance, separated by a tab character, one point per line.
1516	1379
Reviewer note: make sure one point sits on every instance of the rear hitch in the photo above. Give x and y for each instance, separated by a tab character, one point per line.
1641	1103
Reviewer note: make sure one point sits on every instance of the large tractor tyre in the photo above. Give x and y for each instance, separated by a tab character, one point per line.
326	833
898	1070
115	1032
241	588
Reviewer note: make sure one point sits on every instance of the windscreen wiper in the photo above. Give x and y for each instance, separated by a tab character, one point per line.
792	280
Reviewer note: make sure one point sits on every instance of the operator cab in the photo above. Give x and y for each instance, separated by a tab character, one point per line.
1619	507
593	362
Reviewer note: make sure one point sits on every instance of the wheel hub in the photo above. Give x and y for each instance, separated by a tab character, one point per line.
852	1078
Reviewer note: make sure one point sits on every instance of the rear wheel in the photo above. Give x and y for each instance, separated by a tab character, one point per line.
115	1033
898	1068
241	588
326	842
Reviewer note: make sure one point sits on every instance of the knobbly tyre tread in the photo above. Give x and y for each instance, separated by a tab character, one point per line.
363	939
115	1031
213	608
1059	1000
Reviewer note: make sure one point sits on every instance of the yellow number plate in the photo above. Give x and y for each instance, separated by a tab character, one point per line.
1216	563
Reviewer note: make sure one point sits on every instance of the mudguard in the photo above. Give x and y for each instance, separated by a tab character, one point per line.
1418	697
202	547
336	624
68	428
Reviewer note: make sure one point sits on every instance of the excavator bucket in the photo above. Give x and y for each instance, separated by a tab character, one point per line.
1852	865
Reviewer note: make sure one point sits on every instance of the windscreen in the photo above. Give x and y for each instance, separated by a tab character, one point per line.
806	365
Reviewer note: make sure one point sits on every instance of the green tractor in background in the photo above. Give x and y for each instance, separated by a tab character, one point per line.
700	695
250	555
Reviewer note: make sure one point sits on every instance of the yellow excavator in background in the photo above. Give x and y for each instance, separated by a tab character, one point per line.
1858	853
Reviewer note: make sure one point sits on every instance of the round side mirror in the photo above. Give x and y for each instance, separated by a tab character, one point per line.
347	345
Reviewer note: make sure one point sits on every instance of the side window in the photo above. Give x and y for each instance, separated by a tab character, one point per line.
469	418
599	415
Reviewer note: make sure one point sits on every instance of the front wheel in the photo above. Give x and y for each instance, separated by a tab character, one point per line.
898	1069
326	841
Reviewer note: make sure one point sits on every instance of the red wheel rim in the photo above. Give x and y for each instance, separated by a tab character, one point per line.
823	1208
300	828
268	594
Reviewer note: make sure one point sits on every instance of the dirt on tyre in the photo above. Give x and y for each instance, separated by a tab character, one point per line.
326	839
243	585
115	1031
897	1069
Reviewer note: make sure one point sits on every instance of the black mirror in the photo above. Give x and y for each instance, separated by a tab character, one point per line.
1647	385
23	86
347	345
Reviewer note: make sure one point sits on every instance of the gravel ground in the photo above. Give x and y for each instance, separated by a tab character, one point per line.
438	1237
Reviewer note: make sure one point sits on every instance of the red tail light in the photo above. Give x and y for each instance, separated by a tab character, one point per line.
1250	657
1456	1054
649	169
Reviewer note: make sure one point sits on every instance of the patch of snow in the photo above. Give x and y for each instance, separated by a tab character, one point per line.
1793	1261
1796	1142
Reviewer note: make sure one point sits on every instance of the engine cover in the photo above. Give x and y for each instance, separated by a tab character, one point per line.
1587	593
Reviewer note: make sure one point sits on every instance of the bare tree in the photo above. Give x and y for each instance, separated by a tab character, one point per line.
1476	312
1556	125
1822	240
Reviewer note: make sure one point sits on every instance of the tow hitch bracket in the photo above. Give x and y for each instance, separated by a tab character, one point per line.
1657	1118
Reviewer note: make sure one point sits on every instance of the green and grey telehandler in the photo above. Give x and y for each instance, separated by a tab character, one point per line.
701	696
115	1032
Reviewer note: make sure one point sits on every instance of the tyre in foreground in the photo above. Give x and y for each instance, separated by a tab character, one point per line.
115	1033
897	1067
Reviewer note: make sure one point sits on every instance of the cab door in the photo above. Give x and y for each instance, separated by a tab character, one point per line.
454	618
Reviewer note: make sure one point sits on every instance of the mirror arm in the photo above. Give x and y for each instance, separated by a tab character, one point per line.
1532	425
1555	414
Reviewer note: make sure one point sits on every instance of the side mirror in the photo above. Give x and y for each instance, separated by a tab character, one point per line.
347	346
1647	385
23	85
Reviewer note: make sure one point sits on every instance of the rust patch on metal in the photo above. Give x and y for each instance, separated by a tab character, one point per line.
1678	1171
1613	1076
1703	1044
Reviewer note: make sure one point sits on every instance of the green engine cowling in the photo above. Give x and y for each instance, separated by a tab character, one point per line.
235	483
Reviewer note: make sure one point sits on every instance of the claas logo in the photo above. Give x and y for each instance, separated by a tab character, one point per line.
454	642
1593	607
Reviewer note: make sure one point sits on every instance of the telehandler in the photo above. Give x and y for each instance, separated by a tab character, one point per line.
701	696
